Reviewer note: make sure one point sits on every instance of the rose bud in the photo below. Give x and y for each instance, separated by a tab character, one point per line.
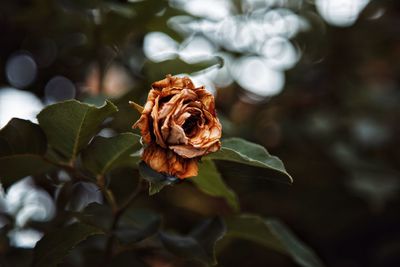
179	125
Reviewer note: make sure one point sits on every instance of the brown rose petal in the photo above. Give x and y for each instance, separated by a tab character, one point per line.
165	161
183	117
156	128
172	81
165	128
207	99
144	122
177	135
171	105
179	124
156	158
167	110
187	151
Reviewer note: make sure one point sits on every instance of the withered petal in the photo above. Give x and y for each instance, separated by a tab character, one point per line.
172	81
156	158
188	151
179	124
207	99
177	135
165	161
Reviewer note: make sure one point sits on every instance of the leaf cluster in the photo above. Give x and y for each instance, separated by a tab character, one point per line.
67	139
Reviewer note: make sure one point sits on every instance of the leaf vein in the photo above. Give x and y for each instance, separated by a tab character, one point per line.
76	142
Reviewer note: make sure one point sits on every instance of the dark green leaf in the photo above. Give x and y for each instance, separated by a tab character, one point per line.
127	259
300	252
124	16
24	137
22	145
84	4
77	195
253	228
244	152
124	10
16	257
210	182
54	246
104	154
157	71
136	225
185	247
155	188
96	214
157	181
208	233
199	245
70	125
15	167
160	23
274	235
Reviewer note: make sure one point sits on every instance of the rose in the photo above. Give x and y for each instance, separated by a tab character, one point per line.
178	125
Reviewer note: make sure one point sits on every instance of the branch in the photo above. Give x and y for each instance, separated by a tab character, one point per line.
118	212
101	183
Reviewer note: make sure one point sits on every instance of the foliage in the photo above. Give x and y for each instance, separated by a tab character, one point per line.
22	146
52	248
335	124
68	131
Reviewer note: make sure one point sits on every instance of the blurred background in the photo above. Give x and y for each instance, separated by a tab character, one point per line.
315	82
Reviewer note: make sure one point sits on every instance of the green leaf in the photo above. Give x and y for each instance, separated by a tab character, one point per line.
22	146
157	181
157	71
97	215
127	259
185	247
124	16
208	233
300	253
104	154
161	23
124	10
199	245
54	246
155	188
70	125
210	182
137	225
23	136
274	235
244	152
15	167
253	228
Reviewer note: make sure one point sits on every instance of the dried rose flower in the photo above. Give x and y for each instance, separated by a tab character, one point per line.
178	125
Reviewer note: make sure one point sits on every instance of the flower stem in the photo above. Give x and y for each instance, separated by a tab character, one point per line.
109	196
118	212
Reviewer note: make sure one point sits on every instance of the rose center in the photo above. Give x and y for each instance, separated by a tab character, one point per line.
190	124
165	99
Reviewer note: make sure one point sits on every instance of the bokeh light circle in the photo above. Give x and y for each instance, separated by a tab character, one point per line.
58	89
21	70
252	74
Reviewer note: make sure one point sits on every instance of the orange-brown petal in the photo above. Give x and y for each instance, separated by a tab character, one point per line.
156	158
167	162
144	121
188	151
207	99
172	81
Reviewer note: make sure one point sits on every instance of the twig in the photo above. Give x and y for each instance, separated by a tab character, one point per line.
70	169
101	183
117	215
131	198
